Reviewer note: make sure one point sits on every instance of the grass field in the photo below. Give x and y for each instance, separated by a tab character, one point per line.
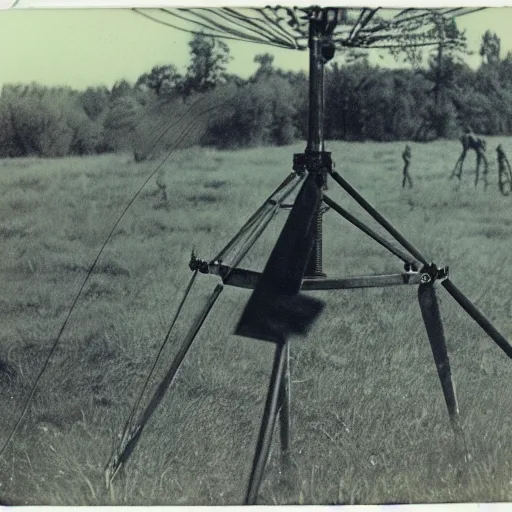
369	423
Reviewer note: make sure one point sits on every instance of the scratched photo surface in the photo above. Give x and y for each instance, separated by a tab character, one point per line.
247	255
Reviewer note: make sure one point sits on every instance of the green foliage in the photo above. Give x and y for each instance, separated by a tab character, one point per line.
163	80
87	136
262	113
209	58
432	98
490	48
45	122
120	122
94	101
119	89
265	61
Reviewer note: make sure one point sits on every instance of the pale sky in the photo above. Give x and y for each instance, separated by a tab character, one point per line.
79	47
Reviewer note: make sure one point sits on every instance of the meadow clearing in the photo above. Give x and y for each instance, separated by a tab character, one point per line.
369	422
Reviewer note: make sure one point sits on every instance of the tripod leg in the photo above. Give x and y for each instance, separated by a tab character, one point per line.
462	158
284	402
486	170
267	424
477	172
461	163
130	440
508	178
457	170
434	326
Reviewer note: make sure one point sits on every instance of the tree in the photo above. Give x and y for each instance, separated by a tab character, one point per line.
451	43
94	101
120	123
262	112
490	48
207	68
163	80
119	89
265	61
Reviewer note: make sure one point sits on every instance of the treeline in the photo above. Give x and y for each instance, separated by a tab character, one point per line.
208	106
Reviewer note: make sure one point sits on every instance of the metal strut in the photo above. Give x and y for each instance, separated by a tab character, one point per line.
247	237
315	159
278	402
317	163
430	310
119	459
276	398
432	318
277	309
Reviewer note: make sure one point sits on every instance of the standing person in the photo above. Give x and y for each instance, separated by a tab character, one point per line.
406	155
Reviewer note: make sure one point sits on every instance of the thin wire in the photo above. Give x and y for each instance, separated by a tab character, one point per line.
130	445
193	106
159	353
247	23
171	125
248	20
201	24
391	46
277	25
364	23
286	38
194	32
223	28
256	231
278	29
254	217
259	228
274	28
254	235
268	211
395	24
243	22
355	28
75	301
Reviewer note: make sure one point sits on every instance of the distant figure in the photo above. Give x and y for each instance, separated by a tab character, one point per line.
504	172
470	141
162	188
406	155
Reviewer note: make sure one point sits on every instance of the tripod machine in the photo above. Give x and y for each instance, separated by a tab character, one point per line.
276	308
478	145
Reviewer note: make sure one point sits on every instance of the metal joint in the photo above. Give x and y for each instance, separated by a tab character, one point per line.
299	165
198	264
410	268
328	49
431	273
282	206
314	162
325	20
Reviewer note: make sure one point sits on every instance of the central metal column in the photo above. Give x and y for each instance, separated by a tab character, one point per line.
315	143
316	89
